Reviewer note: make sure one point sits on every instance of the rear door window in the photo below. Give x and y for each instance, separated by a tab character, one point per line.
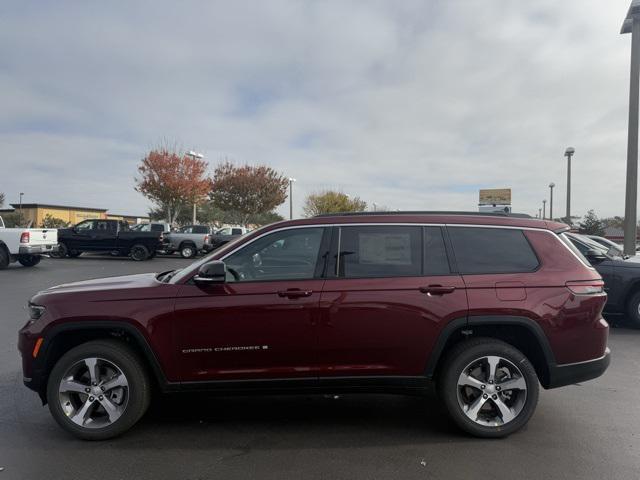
436	261
380	251
492	250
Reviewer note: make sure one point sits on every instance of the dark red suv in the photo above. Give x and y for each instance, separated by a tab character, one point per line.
487	307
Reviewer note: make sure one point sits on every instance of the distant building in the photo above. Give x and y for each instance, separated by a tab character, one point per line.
36	212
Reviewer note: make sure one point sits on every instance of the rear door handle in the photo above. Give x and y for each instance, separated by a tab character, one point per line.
437	289
294	293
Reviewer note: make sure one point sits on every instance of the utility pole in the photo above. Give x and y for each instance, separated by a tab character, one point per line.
194	155
551	185
632	25
291	180
544	209
569	153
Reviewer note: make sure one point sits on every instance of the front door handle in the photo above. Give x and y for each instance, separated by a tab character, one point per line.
294	293
437	289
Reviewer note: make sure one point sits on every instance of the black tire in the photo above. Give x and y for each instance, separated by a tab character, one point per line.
138	389
139	253
633	311
4	257
188	250
29	260
62	252
74	254
464	355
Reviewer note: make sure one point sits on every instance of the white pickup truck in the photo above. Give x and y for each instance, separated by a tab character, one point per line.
25	245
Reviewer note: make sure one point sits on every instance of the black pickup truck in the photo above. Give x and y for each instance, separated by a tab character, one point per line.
113	236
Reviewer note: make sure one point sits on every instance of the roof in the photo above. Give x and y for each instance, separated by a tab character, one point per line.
466	218
64	207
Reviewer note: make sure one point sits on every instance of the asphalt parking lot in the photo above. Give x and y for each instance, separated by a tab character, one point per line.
587	431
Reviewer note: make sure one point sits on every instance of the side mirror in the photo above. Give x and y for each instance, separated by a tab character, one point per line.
211	272
595	255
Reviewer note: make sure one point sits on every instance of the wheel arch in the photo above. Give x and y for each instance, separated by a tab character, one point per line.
61	338
521	332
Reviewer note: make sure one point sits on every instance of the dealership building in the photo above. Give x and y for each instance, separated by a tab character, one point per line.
36	212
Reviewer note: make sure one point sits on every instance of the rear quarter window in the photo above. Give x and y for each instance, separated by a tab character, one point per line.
492	250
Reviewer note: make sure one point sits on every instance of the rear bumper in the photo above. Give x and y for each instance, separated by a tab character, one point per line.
37	249
568	374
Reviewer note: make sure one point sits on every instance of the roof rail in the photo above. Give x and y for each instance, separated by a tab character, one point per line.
418	212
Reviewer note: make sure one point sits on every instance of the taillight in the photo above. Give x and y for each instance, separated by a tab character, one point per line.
206	239
591	287
24	238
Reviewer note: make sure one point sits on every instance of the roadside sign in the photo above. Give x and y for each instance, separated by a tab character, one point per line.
495	196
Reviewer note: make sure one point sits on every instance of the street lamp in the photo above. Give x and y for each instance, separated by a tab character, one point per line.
551	185
539	213
375	206
632	25
199	156
569	153
544	209
291	180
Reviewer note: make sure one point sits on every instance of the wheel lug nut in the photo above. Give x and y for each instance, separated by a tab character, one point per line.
485	396
87	389
91	399
494	396
483	387
94	383
100	398
498	388
491	382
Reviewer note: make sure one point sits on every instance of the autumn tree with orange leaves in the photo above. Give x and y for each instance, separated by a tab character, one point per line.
248	190
172	180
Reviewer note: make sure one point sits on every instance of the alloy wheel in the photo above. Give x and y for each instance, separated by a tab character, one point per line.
93	393
492	391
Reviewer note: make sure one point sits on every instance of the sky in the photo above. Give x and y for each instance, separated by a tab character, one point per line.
413	105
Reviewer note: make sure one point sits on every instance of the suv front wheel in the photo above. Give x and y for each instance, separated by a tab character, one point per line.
489	388
98	390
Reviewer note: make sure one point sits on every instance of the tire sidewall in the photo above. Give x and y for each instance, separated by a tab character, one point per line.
141	248
127	362
192	250
633	316
29	260
465	354
4	257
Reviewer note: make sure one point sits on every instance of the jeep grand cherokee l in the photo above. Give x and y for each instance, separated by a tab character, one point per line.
487	307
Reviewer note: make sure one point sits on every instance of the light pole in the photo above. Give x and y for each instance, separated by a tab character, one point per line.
20	207
199	156
291	180
544	209
551	185
375	207
539	213
569	153
632	25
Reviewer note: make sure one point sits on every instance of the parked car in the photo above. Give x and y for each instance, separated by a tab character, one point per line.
487	307
151	227
621	277
223	236
114	236
605	242
25	245
188	240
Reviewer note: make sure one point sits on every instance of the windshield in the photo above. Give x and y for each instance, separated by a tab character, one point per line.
585	243
227	247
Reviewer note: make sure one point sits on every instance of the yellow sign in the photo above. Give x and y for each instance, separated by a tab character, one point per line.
495	196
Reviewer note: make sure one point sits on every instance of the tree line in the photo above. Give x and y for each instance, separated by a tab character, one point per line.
235	194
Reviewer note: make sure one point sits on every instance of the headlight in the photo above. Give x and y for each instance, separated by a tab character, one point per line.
35	311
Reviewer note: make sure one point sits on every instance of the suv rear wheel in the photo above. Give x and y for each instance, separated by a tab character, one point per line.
489	388
98	390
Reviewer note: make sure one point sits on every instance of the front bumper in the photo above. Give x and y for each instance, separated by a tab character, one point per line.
37	249
568	374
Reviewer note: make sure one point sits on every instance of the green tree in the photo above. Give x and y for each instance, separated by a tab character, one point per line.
49	221
331	201
14	220
591	224
248	190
